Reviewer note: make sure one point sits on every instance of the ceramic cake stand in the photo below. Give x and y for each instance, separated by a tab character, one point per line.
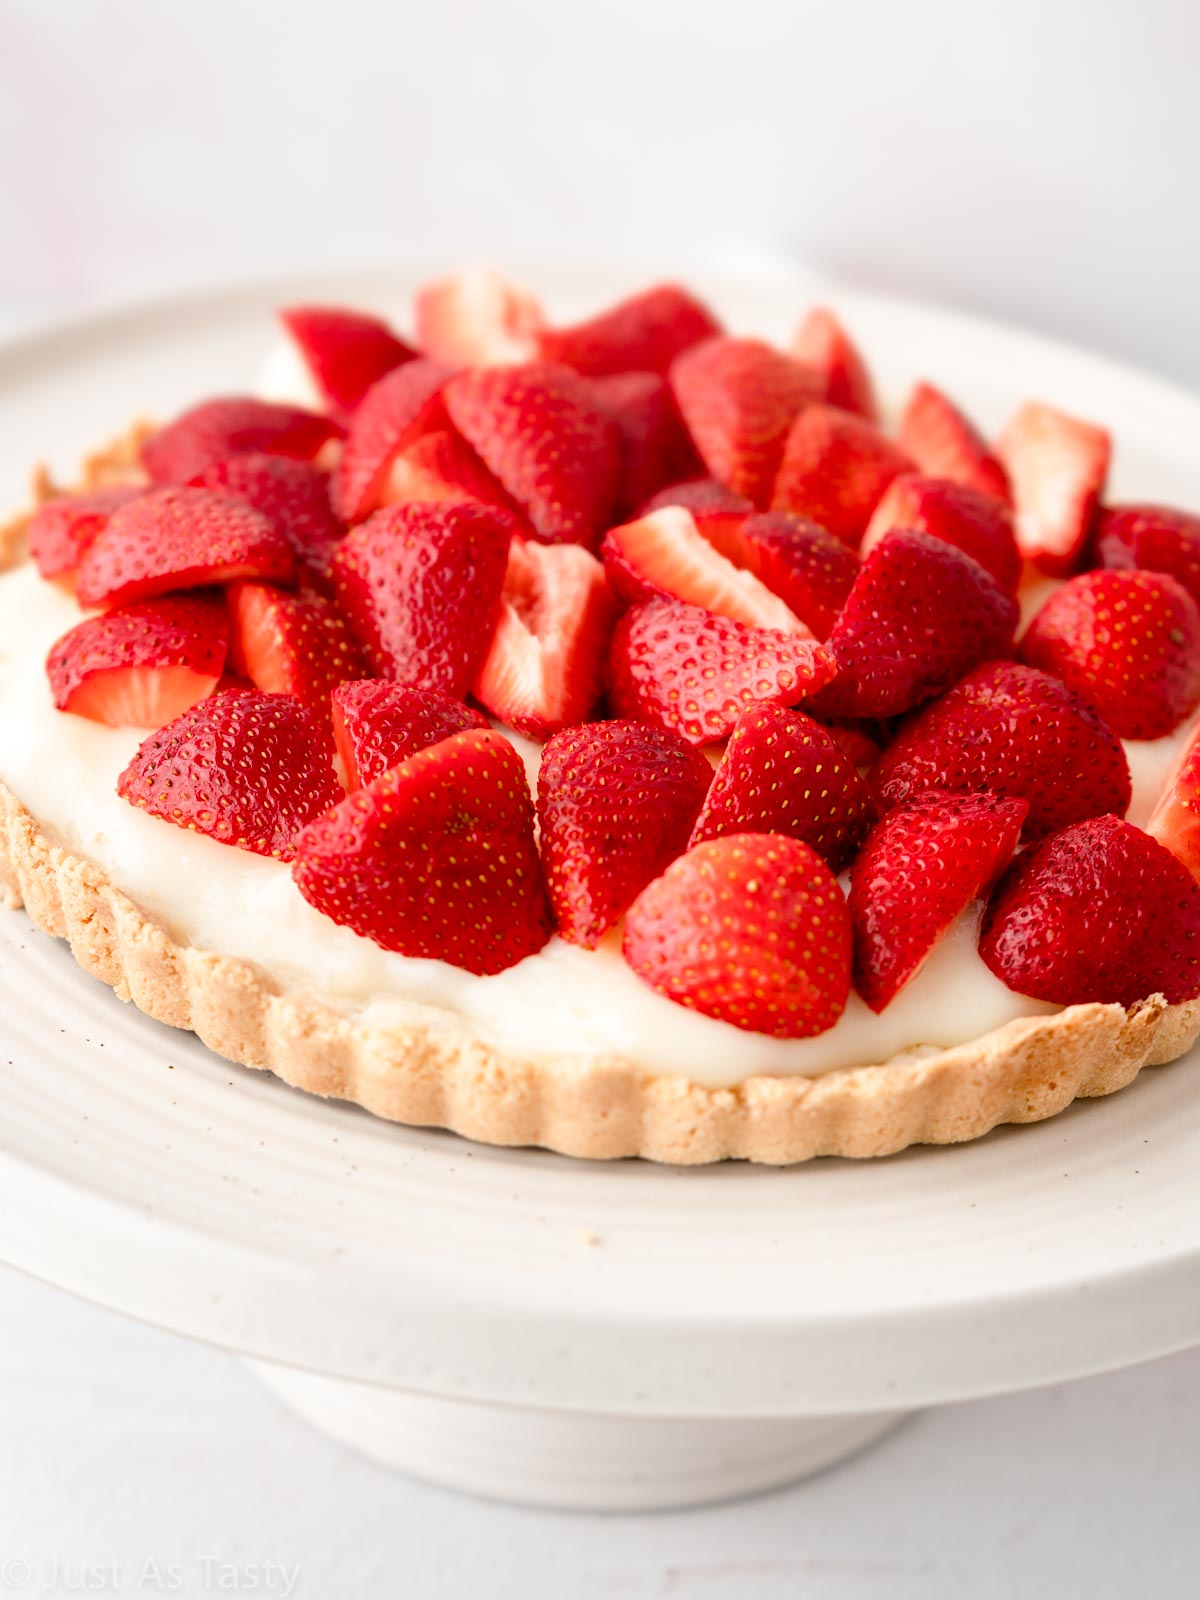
515	1323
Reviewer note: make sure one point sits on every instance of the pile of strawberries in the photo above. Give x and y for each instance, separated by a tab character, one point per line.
632	538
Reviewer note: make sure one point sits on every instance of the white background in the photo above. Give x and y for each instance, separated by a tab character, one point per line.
1035	161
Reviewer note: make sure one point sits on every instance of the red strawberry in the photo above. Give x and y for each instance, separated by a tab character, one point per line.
293	494
1101	913
641	334
751	929
180	538
655	446
861	742
616	801
435	858
439	466
823	344
141	665
345	351
60	530
541	431
1155	538
1176	818
1017	732
290	644
420	586
978	524
919	870
810	570
683	668
920	614
1056	465
477	318
235	425
834	469
739	397
782	773
1127	641
245	768
376	725
716	510
545	665
944	444
393	413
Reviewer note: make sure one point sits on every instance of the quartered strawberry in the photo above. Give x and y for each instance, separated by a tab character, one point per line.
1056	465
834	469
140	665
477	318
978	524
178	537
293	494
822	343
435	858
441	466
542	432
1017	732
641	334
392	414
545	665
739	397
656	448
616	802
245	768
290	644
1154	538
420	586
1100	912
752	929
345	351
376	725
919	616
945	444
1175	821
1127	641
920	869
717	511
234	425
686	669
782	773
810	570
60	530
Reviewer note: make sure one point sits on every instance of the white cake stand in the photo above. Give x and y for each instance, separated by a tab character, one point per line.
514	1323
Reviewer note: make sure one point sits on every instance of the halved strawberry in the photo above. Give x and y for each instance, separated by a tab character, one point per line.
686	669
656	448
61	529
140	665
717	511
919	616
752	929
920	869
1175	820
245	768
834	469
542	432
810	570
180	538
376	725
234	425
945	444
435	858
616	802
978	524
1154	538
440	466
293	494
477	318
1057	465
739	397
1100	912
821	342
641	334
392	414
420	586
1017	732
1129	642
345	351
782	773
545	665
290	644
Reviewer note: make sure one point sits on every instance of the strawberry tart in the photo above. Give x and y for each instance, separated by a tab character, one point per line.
615	737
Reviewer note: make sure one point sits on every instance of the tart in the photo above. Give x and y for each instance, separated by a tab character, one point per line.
615	737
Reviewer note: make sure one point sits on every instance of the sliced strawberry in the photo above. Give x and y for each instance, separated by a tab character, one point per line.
1175	821
656	448
920	869
245	768
141	665
834	469
541	431
376	725
393	413
782	773
477	318
717	511
420	586
616	802
345	351
440	466
234	425
1100	912
641	334
1017	732
683	668
435	858
1154	538
823	344
1057	465
945	444
978	524
60	530
752	929
180	538
920	615
545	666
290	644
810	570
739	397
293	494
1127	641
